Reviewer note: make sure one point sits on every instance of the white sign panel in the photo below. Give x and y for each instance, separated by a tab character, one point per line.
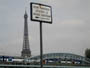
40	12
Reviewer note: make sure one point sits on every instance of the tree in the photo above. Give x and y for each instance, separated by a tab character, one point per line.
87	53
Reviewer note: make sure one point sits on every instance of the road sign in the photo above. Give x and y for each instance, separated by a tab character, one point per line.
41	12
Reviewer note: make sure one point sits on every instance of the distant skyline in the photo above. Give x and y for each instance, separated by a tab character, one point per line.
69	32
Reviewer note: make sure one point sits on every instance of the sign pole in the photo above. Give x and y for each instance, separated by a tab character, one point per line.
41	13
41	46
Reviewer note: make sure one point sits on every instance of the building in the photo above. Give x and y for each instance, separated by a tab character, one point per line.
61	58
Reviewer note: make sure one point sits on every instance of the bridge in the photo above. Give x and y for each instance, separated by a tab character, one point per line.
50	58
63	58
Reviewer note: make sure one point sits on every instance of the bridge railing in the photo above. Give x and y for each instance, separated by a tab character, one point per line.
38	66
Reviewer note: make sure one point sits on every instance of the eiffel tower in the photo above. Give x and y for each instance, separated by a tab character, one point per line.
25	50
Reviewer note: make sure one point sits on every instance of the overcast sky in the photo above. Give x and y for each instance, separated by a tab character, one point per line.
69	32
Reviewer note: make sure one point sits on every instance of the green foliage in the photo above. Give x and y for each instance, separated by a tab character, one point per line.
87	53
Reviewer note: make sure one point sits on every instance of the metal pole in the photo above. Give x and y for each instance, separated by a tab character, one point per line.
41	46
